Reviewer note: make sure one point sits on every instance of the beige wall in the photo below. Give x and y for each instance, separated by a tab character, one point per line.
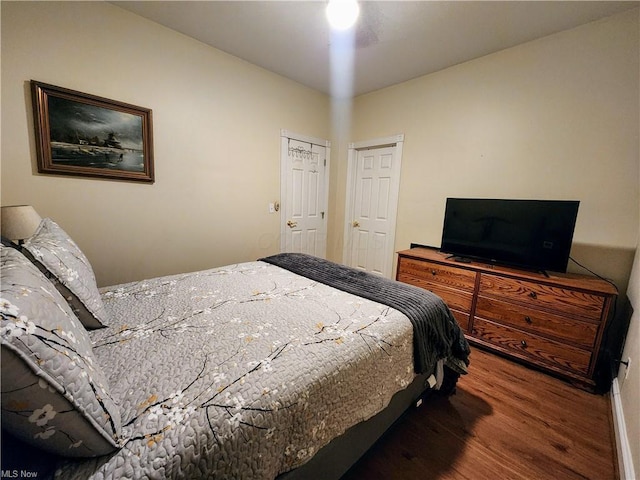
553	118
217	124
630	384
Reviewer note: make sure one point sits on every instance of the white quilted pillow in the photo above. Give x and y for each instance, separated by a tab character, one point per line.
62	261
54	394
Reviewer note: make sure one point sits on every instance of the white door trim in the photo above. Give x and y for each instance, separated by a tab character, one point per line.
285	135
396	141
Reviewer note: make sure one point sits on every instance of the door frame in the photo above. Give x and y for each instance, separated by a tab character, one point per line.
285	135
397	142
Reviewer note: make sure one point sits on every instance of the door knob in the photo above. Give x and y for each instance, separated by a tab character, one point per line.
356	224
291	224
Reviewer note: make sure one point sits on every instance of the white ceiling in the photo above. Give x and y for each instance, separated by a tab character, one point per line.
394	41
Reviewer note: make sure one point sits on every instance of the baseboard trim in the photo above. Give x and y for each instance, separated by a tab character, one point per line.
625	460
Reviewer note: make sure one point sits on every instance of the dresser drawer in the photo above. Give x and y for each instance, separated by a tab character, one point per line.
455	299
462	318
444	275
537	321
537	295
539	349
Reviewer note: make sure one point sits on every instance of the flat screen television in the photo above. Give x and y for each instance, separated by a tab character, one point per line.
529	234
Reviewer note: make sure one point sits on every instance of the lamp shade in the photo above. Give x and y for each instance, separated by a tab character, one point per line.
19	222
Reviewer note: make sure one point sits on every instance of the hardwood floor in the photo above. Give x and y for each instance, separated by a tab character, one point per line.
505	421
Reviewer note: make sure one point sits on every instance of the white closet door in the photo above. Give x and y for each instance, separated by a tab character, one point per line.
373	187
304	205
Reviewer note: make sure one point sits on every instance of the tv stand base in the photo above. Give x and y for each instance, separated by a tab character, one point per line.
461	259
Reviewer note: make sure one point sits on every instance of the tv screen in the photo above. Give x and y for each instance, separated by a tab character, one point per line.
531	234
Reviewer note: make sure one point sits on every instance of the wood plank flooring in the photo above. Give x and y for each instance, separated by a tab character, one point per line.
505	421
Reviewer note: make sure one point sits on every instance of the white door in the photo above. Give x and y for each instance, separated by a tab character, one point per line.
304	205
372	207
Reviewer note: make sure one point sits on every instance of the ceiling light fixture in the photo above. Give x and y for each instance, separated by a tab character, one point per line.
342	14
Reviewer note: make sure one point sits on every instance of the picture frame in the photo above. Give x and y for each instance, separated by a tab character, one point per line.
86	135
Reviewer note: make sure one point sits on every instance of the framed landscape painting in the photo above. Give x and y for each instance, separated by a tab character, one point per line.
85	135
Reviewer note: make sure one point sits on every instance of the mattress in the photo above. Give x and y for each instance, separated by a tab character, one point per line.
245	371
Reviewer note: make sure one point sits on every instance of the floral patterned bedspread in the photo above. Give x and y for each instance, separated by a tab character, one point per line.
240	372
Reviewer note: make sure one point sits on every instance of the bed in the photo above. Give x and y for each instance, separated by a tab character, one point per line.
260	370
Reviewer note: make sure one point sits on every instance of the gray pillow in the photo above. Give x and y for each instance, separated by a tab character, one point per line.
62	261
54	393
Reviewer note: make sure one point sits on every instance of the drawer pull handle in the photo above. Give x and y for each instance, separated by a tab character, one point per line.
523	343
528	320
434	273
533	295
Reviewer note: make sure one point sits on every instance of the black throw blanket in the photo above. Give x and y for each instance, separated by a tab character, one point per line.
436	333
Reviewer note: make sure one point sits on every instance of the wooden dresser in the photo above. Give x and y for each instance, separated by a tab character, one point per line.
553	322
